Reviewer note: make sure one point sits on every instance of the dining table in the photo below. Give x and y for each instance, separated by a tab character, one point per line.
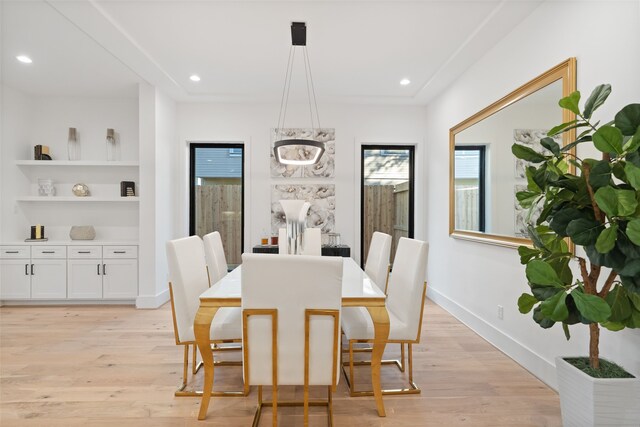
358	290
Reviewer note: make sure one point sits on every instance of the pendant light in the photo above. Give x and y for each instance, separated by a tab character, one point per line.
297	151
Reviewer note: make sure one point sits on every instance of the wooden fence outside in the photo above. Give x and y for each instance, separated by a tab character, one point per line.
466	209
386	209
219	208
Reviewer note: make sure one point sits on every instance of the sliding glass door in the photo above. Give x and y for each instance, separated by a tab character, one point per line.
216	200
387	194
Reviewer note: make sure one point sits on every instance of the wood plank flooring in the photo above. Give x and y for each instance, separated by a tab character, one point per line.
118	366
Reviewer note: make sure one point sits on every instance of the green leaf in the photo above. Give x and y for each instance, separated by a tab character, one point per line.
542	293
633	231
592	307
596	99
527	198
631	268
608	140
613	326
526	153
600	174
628	119
635	300
551	145
616	202
571	102
526	303
618	171
555	308
541	273
541	320
584	231
565	328
526	254
633	143
557	129
619	303
607	239
633	175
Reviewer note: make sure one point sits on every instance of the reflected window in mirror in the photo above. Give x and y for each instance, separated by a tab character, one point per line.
470	166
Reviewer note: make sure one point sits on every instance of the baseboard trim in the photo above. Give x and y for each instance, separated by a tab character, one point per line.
543	369
152	301
58	302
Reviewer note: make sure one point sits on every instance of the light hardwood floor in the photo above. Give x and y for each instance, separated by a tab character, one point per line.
112	365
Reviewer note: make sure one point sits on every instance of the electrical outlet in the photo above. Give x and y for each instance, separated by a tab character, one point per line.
500	312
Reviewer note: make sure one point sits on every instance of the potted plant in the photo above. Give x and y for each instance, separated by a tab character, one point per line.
598	210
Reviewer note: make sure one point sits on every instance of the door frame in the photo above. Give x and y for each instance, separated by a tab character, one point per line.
192	182
412	157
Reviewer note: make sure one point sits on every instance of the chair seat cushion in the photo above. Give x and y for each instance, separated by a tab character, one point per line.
226	325
357	325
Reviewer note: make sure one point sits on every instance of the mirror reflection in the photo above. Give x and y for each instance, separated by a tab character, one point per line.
485	174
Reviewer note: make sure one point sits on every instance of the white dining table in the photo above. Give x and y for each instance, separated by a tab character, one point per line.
358	290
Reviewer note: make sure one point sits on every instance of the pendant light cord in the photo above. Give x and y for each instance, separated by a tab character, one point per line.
285	93
313	90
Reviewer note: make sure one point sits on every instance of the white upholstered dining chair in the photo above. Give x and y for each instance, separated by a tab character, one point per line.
377	265
405	305
291	323
188	279
215	257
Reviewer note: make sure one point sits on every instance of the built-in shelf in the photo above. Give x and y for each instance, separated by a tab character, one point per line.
88	199
76	163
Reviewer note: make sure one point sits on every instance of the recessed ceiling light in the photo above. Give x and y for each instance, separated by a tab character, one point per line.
195	78
25	59
405	82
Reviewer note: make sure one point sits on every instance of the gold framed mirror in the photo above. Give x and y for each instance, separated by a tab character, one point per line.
483	173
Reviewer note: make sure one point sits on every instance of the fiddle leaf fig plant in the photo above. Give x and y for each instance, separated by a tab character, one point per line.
598	209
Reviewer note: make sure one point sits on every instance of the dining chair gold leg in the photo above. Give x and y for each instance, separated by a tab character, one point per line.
401	367
274	399
330	406
185	366
305	404
352	381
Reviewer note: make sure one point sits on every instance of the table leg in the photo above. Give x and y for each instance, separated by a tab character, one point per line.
202	331
380	319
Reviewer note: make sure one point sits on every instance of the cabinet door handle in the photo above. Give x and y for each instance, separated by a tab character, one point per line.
48	252
98	269
26	269
32	269
119	252
10	252
104	269
84	252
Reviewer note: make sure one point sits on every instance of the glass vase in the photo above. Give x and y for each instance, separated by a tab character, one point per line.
73	149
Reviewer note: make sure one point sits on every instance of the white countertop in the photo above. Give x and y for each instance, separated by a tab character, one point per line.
74	243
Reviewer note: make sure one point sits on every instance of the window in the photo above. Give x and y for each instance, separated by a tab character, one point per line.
387	194
216	200
469	187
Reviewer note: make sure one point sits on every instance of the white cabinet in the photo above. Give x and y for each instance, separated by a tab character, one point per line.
103	272
33	272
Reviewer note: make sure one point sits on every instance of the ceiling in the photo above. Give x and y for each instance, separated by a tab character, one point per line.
359	50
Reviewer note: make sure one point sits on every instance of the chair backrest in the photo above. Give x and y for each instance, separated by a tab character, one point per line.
406	283
291	284
188	276
377	265
214	254
312	242
282	241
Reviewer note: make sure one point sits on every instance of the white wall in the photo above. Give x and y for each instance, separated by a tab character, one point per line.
470	279
355	125
158	165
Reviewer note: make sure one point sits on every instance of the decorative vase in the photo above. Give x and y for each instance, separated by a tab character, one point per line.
73	148
111	145
296	215
80	190
46	188
587	401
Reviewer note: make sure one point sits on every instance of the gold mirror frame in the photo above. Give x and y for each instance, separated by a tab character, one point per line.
565	71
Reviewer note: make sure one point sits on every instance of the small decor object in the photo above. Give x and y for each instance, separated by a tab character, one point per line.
127	188
322	198
41	152
73	146
274	240
289	150
296	214
82	232
111	145
46	188
596	209
80	190
37	234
